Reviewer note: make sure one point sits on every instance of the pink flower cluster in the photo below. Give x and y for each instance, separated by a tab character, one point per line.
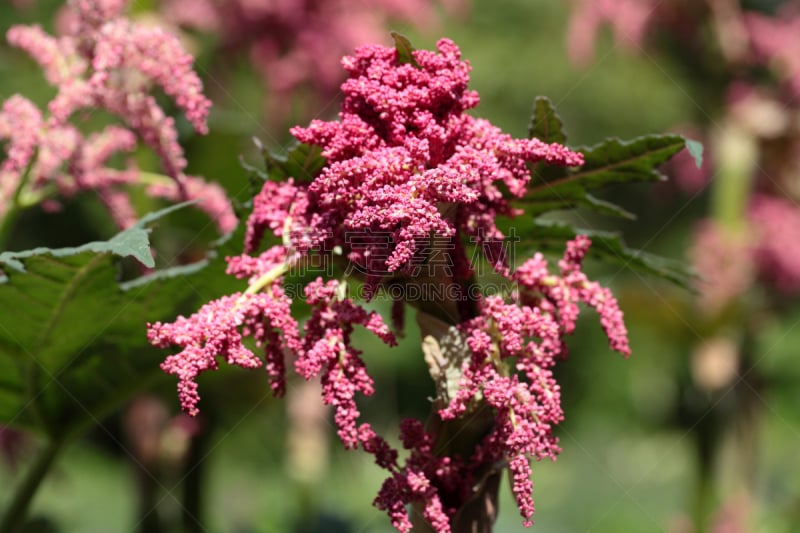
295	44
421	480
526	406
214	331
327	349
104	61
404	164
560	295
530	332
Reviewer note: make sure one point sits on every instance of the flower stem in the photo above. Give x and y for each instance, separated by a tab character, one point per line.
267	279
7	226
153	178
737	154
8	220
17	511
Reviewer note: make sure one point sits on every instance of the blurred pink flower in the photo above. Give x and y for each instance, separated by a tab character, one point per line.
776	42
628	19
724	263
777	249
296	44
104	61
766	249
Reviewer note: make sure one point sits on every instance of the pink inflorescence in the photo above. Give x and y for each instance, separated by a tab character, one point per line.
560	295
217	329
327	350
420	480
530	332
105	61
404	163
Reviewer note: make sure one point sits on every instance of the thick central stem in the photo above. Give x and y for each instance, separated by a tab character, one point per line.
436	317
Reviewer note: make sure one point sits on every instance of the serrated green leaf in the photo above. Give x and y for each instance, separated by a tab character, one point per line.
612	161
609	246
72	338
404	49
545	124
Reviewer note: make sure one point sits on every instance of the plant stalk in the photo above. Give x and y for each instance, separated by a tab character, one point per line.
17	511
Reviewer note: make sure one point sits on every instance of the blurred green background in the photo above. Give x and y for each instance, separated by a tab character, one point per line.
633	428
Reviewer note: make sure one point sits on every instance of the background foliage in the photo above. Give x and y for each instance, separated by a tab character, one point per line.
629	462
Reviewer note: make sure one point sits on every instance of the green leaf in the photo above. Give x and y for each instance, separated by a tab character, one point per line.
300	161
133	242
612	161
695	149
72	338
609	246
545	123
404	49
581	200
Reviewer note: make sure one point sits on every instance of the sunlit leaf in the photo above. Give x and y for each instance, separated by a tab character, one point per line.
72	337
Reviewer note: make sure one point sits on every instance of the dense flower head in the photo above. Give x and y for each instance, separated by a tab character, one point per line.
526	335
403	147
105	61
281	209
